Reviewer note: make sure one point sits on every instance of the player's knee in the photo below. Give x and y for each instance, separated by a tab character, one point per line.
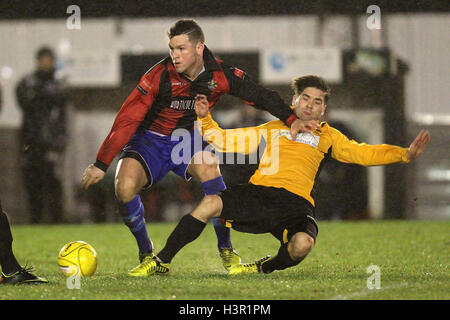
301	245
125	189
213	203
210	207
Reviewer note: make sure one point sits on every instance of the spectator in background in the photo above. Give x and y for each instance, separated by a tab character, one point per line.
42	99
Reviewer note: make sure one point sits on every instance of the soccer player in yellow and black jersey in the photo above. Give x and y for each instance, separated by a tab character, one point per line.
278	198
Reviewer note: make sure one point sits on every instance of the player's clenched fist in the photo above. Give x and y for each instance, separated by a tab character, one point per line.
91	175
201	105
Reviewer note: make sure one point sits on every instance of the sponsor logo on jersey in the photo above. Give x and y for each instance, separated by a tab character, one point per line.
302	137
178	83
183	104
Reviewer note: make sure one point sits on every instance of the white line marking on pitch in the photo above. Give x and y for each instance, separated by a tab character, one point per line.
366	292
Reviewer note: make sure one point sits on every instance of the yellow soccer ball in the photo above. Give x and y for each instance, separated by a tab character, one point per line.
77	257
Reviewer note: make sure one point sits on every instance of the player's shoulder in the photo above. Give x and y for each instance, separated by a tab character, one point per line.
325	127
158	67
217	64
330	130
151	80
231	70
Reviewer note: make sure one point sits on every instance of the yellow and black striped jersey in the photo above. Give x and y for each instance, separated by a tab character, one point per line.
293	164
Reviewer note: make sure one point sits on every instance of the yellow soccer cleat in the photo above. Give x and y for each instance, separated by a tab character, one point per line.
246	268
149	266
230	258
142	256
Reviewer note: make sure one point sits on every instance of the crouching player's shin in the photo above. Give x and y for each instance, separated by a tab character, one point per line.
289	255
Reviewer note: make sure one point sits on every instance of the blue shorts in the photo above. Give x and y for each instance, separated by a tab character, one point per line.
159	154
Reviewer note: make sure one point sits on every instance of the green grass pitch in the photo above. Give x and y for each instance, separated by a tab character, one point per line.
413	257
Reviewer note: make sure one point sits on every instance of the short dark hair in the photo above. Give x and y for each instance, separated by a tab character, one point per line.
301	83
44	51
188	27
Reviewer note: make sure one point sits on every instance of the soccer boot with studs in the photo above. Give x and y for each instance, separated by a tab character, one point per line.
230	258
149	265
23	276
245	268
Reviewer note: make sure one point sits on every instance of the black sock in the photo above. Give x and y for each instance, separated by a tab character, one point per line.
281	261
187	230
8	262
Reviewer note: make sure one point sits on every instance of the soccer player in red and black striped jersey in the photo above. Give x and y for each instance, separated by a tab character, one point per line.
163	103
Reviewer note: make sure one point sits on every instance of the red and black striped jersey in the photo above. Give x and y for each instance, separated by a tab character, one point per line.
164	100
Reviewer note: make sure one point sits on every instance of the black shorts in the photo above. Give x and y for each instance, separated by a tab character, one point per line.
259	209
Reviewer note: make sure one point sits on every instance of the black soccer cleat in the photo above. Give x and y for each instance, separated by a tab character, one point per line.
24	275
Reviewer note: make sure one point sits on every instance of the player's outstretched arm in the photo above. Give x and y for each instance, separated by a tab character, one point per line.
202	109
240	140
92	175
418	145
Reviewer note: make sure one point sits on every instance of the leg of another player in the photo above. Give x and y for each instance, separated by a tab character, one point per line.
129	181
12	272
8	261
